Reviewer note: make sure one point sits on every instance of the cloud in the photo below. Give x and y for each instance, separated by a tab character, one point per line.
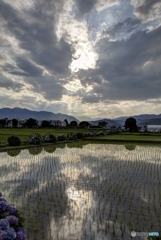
75	32
85	6
38	37
21	5
147	9
30	51
127	70
27	68
9	84
122	30
103	4
50	89
53	55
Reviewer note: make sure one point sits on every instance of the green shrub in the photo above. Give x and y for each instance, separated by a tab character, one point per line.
14	141
35	138
49	138
71	136
79	135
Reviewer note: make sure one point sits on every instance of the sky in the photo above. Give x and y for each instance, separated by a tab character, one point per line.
86	58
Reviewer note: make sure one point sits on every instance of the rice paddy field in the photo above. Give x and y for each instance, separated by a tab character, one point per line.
24	134
81	191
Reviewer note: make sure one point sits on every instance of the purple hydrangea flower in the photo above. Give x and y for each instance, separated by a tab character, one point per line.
12	210
11	234
21	235
2	199
21	229
4	224
3	206
3	235
12	220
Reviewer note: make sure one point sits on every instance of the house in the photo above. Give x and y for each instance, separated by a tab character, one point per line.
39	122
154	128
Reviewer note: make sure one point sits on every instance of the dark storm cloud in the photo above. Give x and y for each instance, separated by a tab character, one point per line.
9	84
128	70
146	6
28	68
35	30
48	87
85	6
39	49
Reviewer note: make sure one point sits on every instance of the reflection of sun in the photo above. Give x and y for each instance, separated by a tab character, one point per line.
73	194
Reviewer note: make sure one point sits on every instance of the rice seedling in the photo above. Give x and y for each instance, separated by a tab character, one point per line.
98	191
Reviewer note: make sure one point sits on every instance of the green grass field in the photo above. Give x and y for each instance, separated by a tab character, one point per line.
23	134
132	136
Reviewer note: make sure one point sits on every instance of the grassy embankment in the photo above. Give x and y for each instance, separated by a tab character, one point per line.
23	134
130	137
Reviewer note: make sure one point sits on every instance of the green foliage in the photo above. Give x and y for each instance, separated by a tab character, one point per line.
2	122
13	152
14	141
35	150
71	136
35	138
45	123
14	122
49	138
84	124
79	135
21	219
66	121
50	148
130	124
73	124
31	122
130	147
102	124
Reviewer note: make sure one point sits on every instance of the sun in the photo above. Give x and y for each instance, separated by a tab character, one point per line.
85	61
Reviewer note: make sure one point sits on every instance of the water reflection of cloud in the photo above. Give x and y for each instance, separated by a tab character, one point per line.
82	180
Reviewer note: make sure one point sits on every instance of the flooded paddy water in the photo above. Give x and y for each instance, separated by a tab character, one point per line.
84	192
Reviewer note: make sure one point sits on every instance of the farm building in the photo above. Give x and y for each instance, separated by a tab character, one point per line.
154	128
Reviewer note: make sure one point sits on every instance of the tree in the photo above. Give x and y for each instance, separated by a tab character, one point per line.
2	122
73	123
66	121
102	124
45	123
130	124
31	122
84	124
14	122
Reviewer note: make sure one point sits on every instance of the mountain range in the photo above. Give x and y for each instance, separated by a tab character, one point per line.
23	113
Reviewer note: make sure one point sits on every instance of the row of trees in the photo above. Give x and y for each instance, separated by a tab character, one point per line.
31	122
130	123
5	122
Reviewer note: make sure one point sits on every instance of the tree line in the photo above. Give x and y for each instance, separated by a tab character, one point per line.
31	122
130	123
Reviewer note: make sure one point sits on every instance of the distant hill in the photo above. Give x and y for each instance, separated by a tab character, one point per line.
142	120
23	113
109	121
154	121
